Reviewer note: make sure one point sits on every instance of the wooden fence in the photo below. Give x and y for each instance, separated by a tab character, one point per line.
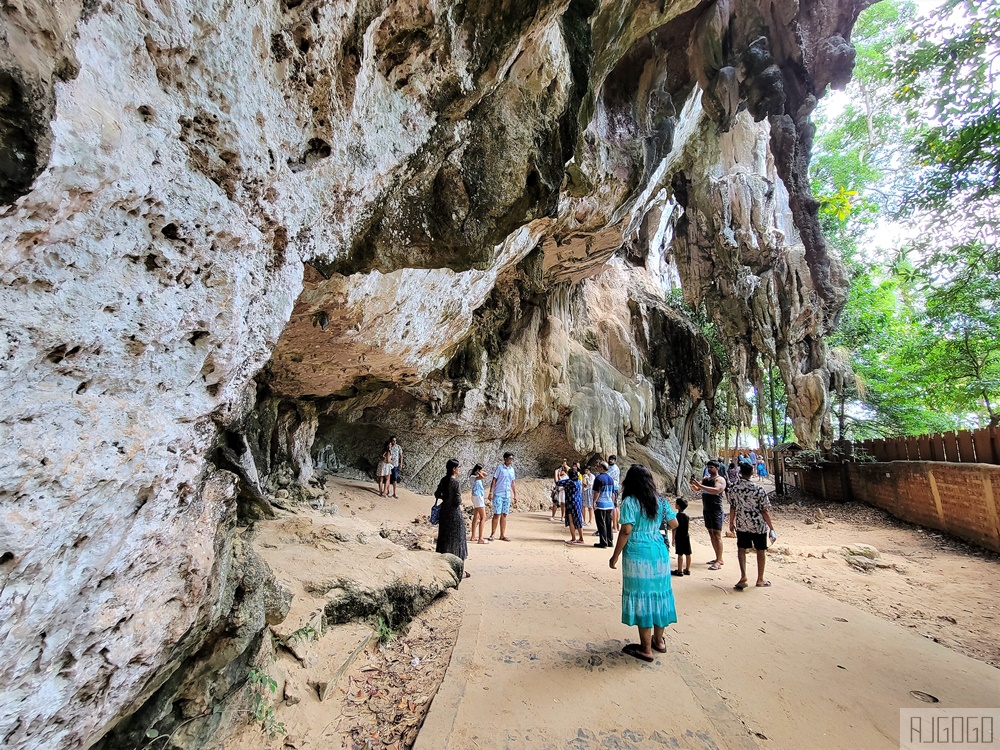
976	447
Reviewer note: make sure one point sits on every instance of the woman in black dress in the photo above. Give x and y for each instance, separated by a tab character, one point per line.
451	526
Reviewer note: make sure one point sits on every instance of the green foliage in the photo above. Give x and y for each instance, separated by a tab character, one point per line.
262	713
306	633
917	142
946	77
383	631
839	204
708	327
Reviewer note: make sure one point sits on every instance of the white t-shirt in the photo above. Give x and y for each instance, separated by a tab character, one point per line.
396	452
615	473
505	478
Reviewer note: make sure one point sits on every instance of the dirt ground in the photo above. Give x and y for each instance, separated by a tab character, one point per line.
918	580
939	587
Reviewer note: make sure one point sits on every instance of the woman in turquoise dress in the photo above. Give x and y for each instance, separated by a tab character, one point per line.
647	597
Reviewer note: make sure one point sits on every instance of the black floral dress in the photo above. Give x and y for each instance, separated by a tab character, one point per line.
451	526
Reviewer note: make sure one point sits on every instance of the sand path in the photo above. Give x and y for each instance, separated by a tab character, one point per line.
538	664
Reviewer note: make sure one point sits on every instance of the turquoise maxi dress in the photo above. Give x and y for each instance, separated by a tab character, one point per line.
647	596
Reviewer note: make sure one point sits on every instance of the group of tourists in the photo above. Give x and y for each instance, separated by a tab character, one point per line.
634	509
750	458
584	499
451	521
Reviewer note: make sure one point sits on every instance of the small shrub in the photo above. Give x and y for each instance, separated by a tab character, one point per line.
262	713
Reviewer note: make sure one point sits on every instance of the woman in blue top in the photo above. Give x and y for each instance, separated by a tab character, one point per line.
647	597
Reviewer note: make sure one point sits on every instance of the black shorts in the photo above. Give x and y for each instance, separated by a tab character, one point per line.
747	539
714	518
394	475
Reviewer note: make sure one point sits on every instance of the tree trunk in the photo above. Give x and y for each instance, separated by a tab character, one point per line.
685	442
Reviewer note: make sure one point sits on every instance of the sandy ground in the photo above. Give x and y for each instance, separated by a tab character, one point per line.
941	588
823	659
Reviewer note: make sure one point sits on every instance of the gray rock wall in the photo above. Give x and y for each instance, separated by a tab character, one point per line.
390	213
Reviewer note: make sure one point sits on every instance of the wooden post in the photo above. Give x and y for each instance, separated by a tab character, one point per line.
924	445
984	447
966	452
950	447
937	448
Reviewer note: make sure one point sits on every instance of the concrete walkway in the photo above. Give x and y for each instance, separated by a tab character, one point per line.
538	661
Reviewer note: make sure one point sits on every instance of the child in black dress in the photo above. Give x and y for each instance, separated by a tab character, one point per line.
682	541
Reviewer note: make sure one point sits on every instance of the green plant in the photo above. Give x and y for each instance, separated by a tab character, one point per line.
262	713
383	631
306	633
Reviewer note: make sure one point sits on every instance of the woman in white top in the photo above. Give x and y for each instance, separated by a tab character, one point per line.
384	470
559	494
478	502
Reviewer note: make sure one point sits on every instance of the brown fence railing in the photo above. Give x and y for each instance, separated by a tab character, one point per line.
964	446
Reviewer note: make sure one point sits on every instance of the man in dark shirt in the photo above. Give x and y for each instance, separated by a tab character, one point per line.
604	505
713	489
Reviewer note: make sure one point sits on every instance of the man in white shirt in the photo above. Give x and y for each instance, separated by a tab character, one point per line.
615	472
396	454
502	491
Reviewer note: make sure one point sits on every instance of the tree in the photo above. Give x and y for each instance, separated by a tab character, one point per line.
916	147
963	318
947	78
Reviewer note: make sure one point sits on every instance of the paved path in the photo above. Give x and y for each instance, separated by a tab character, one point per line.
538	662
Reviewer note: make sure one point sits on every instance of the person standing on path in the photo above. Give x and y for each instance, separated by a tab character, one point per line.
574	506
396	451
682	539
753	462
478	503
502	491
615	472
647	595
559	493
750	518
732	473
587	495
384	470
712	490
604	506
451	525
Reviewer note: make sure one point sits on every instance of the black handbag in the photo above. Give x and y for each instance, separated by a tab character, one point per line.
436	510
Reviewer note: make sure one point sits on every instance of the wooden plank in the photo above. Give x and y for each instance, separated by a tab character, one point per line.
995	439
866	446
889	449
937	448
900	444
950	447
924	447
984	446
878	450
966	452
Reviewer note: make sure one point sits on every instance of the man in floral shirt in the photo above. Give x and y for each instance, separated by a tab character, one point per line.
749	517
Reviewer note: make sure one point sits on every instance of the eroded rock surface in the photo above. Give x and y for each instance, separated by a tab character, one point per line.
241	239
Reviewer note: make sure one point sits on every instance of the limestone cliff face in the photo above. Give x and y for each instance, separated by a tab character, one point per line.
240	239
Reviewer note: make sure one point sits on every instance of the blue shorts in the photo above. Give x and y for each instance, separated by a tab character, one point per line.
501	504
